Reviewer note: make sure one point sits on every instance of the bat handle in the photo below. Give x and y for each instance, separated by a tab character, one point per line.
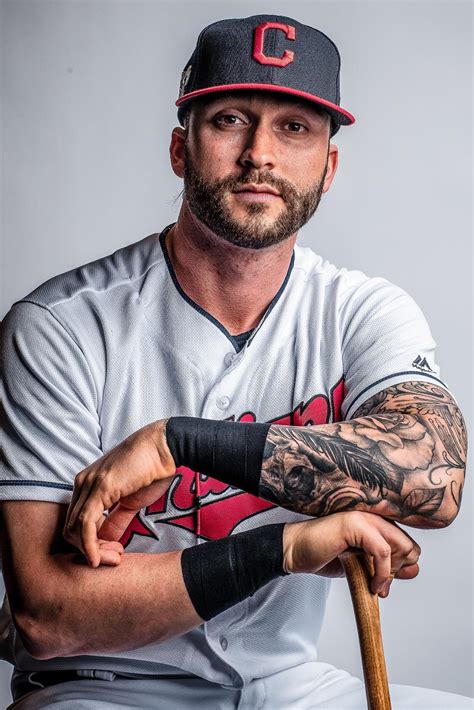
359	571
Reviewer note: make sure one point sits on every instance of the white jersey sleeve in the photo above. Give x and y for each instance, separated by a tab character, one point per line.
385	340
49	398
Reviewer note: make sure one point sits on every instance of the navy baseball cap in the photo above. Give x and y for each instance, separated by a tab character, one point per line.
265	52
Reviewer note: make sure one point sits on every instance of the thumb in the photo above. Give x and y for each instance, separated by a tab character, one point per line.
116	523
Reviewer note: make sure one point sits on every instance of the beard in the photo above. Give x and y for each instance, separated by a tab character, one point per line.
207	201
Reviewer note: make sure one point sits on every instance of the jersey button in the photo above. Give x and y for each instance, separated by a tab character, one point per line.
223	642
229	359
223	402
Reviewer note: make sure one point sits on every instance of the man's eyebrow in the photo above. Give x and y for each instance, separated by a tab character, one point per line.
235	96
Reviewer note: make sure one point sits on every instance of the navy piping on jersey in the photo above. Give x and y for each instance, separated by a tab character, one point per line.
242	338
396	374
41	484
204	312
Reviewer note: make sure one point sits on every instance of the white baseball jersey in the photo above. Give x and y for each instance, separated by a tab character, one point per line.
96	353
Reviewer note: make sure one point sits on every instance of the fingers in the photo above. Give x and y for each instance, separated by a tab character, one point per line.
86	513
381	552
132	471
111	545
116	523
82	486
94	493
78	482
89	542
404	559
408	572
394	552
110	553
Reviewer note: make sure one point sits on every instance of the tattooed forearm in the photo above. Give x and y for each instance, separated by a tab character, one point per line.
402	456
436	407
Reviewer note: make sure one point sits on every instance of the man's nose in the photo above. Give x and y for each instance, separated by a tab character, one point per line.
259	150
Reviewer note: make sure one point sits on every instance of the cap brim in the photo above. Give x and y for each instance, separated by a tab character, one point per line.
338	114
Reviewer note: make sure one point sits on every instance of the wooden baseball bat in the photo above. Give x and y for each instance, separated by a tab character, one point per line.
359	571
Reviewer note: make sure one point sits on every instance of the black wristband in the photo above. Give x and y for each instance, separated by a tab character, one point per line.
232	452
221	573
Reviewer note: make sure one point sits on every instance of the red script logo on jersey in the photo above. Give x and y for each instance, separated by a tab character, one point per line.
211	509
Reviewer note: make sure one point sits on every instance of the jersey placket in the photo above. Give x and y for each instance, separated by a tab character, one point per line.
228	388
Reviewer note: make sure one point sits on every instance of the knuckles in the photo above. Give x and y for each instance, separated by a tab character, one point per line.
406	548
385	551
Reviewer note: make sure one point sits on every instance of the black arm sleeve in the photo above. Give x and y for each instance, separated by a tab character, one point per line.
221	573
232	452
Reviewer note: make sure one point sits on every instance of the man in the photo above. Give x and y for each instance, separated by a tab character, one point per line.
245	410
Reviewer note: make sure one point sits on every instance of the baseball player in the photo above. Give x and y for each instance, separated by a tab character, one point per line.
238	410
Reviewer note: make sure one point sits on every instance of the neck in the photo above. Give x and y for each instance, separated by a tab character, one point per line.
235	285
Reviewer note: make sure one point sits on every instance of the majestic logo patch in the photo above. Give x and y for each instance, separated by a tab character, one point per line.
287	57
421	364
211	509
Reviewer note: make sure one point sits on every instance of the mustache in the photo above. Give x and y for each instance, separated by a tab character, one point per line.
286	189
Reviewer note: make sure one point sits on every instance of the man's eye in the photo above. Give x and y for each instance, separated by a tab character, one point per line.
296	127
228	119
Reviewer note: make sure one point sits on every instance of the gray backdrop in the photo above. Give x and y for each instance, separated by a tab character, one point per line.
88	93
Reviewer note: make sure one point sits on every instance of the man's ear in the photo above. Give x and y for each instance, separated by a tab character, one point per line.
178	138
333	160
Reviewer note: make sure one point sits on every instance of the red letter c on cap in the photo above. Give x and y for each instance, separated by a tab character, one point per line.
258	54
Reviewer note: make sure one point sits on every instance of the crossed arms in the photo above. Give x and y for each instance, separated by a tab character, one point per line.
401	457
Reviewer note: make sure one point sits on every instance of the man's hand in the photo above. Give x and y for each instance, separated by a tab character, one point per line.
131	476
139	471
314	545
